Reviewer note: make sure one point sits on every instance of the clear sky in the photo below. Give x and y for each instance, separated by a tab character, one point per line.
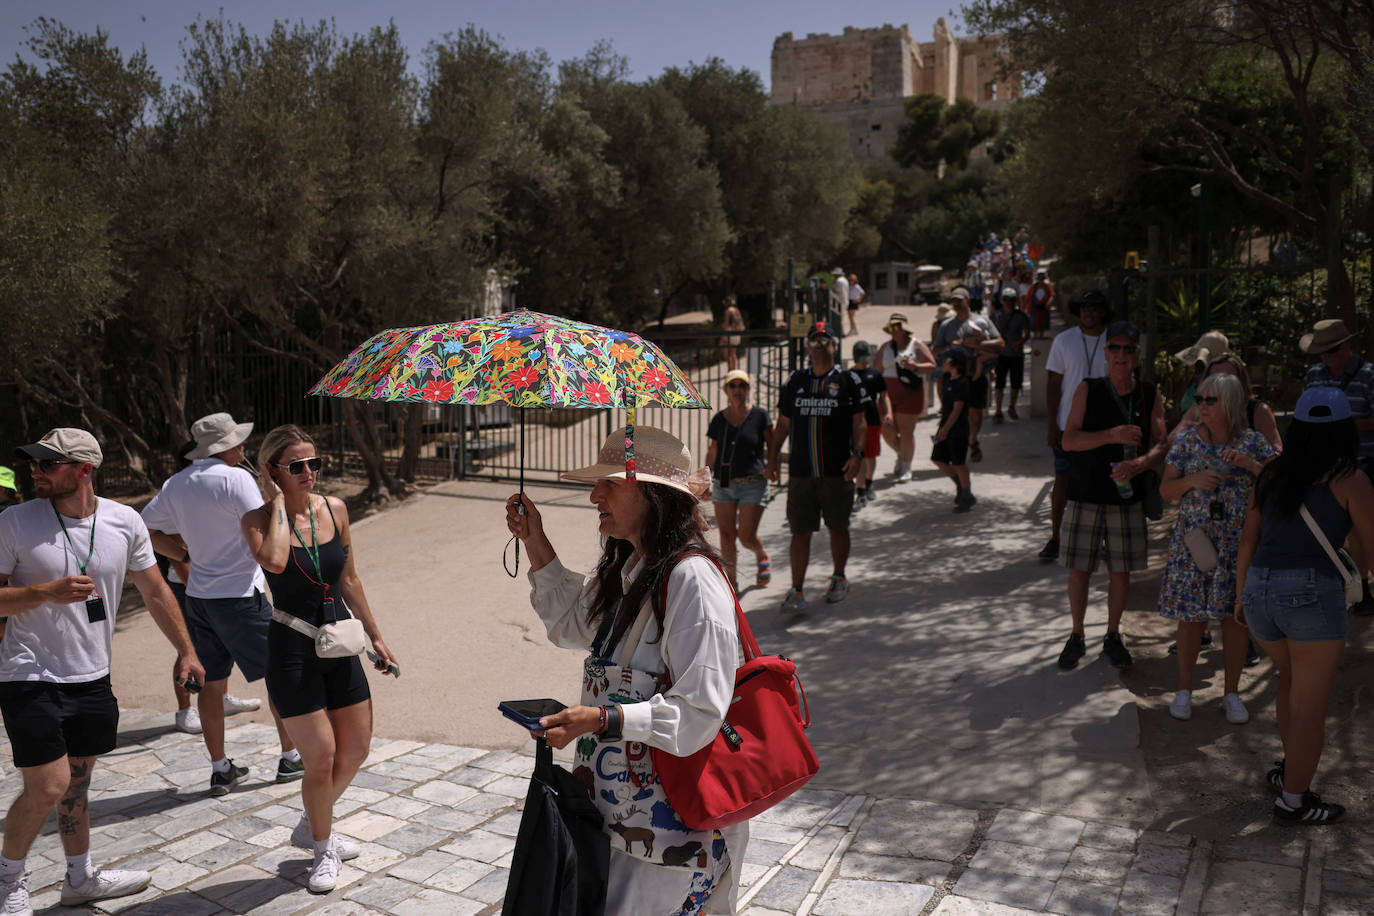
652	34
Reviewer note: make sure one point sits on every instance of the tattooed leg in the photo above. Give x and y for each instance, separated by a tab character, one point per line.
73	811
43	786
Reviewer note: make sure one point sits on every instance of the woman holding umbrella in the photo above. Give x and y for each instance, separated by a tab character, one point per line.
659	619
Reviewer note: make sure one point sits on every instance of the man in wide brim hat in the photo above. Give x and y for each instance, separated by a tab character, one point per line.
1326	335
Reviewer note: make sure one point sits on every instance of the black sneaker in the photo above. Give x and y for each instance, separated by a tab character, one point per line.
1074	649
1313	812
1274	778
290	771
1116	651
1050	551
221	783
1252	654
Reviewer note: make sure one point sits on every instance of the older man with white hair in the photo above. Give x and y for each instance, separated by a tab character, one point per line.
196	518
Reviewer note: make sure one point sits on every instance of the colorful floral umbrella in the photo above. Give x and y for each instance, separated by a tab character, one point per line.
521	358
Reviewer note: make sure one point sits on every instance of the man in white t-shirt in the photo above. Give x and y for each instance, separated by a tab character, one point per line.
63	558
1076	354
197	514
839	295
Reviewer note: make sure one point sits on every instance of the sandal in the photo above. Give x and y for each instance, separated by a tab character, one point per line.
765	573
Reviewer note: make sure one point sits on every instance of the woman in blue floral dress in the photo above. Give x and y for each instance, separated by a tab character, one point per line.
1211	468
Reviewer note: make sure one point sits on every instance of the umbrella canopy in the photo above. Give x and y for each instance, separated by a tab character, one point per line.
521	358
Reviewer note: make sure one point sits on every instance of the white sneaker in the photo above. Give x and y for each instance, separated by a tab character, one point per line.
102	884
233	704
904	475
346	848
1235	709
14	896
188	720
324	873
1182	706
794	603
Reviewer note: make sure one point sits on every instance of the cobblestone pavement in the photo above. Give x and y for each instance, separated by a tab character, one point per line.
437	824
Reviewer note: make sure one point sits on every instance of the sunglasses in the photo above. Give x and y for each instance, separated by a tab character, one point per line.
735	385
1334	350
48	465
1210	400
297	467
1122	348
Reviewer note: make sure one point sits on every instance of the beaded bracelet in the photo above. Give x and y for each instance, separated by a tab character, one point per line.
601	719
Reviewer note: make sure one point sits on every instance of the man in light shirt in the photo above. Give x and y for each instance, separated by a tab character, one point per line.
196	517
63	560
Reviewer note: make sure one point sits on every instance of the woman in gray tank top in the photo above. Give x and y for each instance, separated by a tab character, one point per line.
1292	597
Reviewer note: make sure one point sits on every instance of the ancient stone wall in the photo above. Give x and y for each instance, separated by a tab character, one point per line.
857	80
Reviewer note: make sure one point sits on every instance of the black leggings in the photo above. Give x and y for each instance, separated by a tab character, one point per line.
300	682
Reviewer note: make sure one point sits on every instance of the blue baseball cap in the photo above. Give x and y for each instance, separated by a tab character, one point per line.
1324	404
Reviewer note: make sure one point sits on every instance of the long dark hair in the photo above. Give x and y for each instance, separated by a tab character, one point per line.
1311	452
673	527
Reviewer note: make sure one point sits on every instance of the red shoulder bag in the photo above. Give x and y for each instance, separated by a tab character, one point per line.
759	756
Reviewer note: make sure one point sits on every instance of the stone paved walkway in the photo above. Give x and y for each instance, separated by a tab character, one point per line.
437	824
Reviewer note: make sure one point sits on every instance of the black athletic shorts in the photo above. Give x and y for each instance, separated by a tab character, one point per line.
225	631
47	721
1011	372
300	682
978	393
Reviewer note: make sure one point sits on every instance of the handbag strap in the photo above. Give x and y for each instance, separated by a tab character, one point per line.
295	623
748	643
1345	574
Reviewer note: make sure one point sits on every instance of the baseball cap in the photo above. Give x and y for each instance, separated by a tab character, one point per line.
820	328
7	479
1122	329
1324	404
735	375
862	349
1009	292
958	292
64	442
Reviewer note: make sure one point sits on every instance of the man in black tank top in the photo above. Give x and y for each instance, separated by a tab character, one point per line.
1114	434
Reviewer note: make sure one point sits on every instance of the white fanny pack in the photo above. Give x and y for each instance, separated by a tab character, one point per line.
339	639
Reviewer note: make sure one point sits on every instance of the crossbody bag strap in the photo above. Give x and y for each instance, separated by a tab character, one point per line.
295	623
1345	574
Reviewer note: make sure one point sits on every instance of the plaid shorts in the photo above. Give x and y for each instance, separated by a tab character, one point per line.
1095	529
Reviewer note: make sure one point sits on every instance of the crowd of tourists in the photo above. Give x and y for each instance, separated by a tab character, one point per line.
1242	554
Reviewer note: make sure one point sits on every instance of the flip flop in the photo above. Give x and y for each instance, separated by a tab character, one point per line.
765	574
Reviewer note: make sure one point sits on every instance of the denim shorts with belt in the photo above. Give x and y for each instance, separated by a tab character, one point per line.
1304	605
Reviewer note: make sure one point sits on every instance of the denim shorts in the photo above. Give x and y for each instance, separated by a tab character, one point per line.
1298	604
747	491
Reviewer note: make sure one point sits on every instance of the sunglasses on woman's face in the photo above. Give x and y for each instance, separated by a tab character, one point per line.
297	467
1209	400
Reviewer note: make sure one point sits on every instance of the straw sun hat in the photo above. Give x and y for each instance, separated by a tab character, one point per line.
660	457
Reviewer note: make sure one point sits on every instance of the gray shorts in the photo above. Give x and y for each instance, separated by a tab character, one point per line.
225	631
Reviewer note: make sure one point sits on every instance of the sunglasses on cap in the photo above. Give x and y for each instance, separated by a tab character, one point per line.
1122	348
297	467
48	465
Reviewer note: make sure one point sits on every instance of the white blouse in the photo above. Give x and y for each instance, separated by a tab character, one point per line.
701	649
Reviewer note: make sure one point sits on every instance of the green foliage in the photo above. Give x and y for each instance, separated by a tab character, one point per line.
938	220
936	133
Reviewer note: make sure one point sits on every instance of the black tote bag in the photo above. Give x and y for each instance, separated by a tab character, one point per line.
562	854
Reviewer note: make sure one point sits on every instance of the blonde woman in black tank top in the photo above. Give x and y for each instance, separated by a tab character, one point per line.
303	543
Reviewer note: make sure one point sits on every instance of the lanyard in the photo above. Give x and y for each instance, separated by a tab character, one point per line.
312	549
1127	407
1083	339
80	563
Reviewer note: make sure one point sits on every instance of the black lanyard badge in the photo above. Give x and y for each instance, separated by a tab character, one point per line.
95	609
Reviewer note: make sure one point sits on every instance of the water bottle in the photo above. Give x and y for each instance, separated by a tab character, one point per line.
1125	487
